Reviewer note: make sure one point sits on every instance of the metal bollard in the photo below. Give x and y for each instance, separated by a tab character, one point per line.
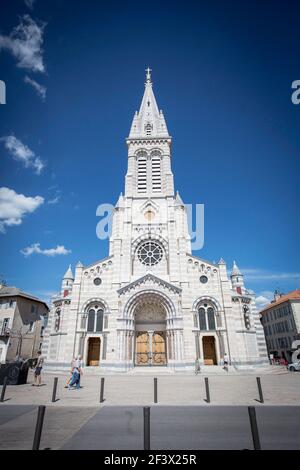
261	397
207	390
3	390
39	427
102	390
146	428
155	390
254	428
54	389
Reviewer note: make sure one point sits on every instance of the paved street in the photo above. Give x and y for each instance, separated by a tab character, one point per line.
182	419
112	427
181	390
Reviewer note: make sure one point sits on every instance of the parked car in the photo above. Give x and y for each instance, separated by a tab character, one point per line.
294	366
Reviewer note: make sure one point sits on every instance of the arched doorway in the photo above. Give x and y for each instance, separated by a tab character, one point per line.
93	357
209	350
150	331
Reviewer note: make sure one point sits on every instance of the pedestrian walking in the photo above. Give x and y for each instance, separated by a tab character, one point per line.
71	373
225	362
38	370
197	366
78	365
77	372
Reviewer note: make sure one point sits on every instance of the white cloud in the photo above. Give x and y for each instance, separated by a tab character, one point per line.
25	43
55	200
22	153
35	248
264	275
40	89
261	302
264	298
13	207
29	3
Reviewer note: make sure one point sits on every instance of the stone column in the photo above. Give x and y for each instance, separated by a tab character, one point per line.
104	346
197	346
151	332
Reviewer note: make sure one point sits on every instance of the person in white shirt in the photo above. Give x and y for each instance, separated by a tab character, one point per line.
38	370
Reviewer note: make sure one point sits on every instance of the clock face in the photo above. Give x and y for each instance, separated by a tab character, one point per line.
203	279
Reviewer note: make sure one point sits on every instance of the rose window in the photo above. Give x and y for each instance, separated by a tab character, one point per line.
150	253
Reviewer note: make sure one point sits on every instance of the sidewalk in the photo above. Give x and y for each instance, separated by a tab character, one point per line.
180	390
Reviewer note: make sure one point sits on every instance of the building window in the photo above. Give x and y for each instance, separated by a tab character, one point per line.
156	174
97	281
246	317
207	318
91	320
211	318
202	319
148	128
142	172
150	253
99	320
5	326
57	320
95	320
203	279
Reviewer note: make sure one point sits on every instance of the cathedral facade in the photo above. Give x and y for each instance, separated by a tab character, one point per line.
151	302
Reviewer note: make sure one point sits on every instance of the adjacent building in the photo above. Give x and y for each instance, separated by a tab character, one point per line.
151	302
23	319
281	322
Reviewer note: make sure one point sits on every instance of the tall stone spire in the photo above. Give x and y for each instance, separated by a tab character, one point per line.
149	121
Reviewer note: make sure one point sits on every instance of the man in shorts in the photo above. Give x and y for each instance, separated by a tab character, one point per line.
38	370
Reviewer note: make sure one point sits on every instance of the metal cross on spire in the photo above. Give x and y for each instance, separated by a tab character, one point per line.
148	74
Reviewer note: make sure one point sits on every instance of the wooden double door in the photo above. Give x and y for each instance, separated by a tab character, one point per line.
150	348
209	351
94	352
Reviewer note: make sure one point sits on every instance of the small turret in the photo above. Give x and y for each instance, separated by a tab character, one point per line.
237	278
67	282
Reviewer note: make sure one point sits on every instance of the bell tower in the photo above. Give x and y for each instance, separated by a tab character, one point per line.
149	171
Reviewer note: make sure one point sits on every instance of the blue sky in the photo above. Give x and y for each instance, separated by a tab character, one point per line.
222	74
